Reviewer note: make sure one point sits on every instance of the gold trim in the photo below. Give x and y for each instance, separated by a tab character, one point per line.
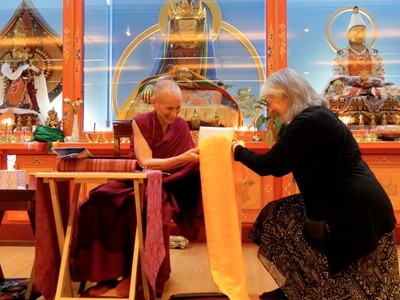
120	113
350	9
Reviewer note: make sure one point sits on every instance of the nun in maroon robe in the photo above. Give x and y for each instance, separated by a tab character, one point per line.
103	243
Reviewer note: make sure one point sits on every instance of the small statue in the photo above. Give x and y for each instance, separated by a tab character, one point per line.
52	120
373	123
29	124
384	121
18	126
361	120
215	122
195	121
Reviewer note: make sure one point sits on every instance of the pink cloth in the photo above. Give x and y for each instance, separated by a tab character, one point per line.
154	250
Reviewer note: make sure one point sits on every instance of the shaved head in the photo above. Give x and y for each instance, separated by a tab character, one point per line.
166	89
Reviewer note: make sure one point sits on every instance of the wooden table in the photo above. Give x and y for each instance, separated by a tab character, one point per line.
64	289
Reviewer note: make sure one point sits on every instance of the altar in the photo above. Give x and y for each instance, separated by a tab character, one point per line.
382	156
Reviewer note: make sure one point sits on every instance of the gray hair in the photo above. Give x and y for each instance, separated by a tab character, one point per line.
287	83
165	86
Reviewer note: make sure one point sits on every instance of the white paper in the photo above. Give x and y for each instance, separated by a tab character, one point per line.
11	159
207	132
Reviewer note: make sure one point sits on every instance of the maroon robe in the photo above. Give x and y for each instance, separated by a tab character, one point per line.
104	240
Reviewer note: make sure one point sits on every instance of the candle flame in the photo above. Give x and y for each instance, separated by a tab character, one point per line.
7	121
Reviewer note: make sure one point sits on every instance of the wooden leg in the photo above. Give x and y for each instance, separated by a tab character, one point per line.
1	274
139	241
32	217
1	270
28	292
64	277
82	286
57	213
1	215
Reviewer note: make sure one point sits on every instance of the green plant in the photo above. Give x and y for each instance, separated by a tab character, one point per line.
272	122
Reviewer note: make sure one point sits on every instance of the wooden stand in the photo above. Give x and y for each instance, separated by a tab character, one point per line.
64	285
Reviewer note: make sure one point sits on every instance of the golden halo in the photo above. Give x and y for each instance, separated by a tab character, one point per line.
120	112
347	9
215	13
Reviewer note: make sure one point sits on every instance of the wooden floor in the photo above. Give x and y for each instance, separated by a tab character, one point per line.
190	271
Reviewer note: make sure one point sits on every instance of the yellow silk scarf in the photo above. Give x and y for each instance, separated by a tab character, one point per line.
223	227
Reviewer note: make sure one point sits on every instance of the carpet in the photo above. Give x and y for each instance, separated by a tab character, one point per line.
15	288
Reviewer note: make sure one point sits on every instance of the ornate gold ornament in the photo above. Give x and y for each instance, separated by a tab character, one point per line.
185	10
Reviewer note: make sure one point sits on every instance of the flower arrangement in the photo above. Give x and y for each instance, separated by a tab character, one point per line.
272	122
74	104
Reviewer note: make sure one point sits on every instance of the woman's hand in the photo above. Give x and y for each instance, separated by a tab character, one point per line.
234	145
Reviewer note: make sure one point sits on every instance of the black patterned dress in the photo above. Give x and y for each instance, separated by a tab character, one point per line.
301	269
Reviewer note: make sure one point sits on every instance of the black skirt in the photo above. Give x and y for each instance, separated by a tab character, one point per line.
300	268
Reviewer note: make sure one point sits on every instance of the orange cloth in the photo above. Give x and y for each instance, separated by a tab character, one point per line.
223	228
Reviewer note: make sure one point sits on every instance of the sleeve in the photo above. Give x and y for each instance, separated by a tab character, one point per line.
339	64
378	65
291	148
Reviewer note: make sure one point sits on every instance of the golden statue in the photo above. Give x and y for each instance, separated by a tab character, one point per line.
357	85
52	119
188	58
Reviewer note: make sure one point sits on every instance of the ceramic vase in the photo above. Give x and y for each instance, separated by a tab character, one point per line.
75	129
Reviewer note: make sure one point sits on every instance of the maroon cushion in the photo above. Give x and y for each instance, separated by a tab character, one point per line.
96	165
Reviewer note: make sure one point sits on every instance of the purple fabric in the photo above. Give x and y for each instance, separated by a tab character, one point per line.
104	238
154	251
47	253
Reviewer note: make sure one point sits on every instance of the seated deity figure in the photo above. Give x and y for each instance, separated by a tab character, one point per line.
188	41
52	119
357	69
187	57
23	82
20	90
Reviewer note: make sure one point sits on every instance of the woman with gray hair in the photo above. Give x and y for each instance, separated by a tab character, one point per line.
326	241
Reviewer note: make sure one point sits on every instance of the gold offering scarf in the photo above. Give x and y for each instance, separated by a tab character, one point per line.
223	227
